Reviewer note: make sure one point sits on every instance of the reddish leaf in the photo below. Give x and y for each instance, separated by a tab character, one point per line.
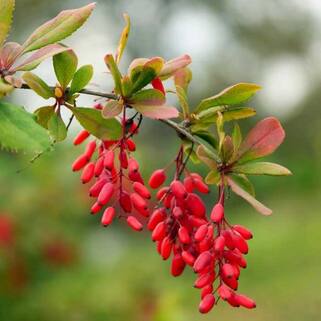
262	140
157	112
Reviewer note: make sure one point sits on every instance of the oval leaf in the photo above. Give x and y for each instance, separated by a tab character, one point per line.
19	131
233	95
123	39
57	128
172	66
81	79
262	140
59	28
113	68
6	12
43	114
92	120
261	168
157	112
37	85
112	109
148	97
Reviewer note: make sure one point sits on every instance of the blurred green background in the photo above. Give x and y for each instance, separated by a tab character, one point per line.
64	266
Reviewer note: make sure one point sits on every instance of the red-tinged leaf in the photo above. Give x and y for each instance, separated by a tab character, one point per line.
172	66
204	154
6	13
112	109
151	97
248	197
157	112
113	68
262	140
9	53
35	59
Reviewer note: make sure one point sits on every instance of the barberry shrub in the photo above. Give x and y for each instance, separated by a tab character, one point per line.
183	229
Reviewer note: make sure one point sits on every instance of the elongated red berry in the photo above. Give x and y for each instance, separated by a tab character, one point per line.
135	177
109	160
99	166
201	233
189	184
178	189
228	271
162	192
244	232
138	202
166	248
217	213
245	301
219	244
208	289
105	194
207	303
195	205
80	163
97	187
90	149
133	165
142	190
133	222
240	243
225	292
178	265
108	216
123	159
88	173
157	216
157	178
159	231
95	208
188	258
204	280
131	145
125	202
81	137
184	235
201	186
203	261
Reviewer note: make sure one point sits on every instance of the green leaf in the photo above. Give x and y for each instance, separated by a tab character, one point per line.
262	140
37	85
113	68
43	114
227	149
213	177
236	137
35	59
243	182
6	13
233	95
112	109
205	155
187	146
207	137
19	131
81	79
182	98
92	120
65	66
147	97
5	88
261	168
126	86
57	128
172	66
59	28
123	39
238	190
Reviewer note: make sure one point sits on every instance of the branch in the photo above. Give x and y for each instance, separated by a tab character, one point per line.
181	131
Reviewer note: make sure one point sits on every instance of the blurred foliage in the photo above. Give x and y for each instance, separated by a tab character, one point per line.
62	265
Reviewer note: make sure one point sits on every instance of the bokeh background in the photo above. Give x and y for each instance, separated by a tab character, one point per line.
60	264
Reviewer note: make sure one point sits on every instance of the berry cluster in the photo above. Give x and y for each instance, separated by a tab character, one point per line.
117	176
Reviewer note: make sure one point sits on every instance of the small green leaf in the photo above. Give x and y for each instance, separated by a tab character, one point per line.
59	28
126	86
112	109
213	177
172	66
147	97
261	168
236	137
187	146
123	39
37	85
57	128
43	114
65	66
19	131
220	130
6	13
227	149
113	68
243	182
182	98
92	120
207	137
233	95
238	190
81	79
5	88
40	55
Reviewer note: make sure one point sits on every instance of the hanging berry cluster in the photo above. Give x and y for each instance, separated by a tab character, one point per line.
179	223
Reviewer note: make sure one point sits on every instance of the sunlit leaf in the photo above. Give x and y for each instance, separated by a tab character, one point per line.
227	149
182	78
261	168
182	97
213	177
59	28
233	113
57	128
205	155
112	109
43	114
113	68
262	140
150	97
189	150
236	137
91	119
81	79
65	66
207	136
242	181
5	88
19	131
123	39
6	13
238	190
9	53
126	86
233	95
37	85
157	112
40	55
172	66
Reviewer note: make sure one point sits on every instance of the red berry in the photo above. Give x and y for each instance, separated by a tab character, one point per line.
228	271
157	84
79	163
201	233
244	232
201	186
81	137
133	165
90	149
141	190
207	303
195	205
245	301
158	216
184	235
138	202
109	160
189	184
88	173
204	280
178	189
157	178
217	213
97	187
178	265
225	292
105	194
159	231
95	208
166	248
131	145
188	258
208	289
108	216
203	261
125	202
99	167
134	223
